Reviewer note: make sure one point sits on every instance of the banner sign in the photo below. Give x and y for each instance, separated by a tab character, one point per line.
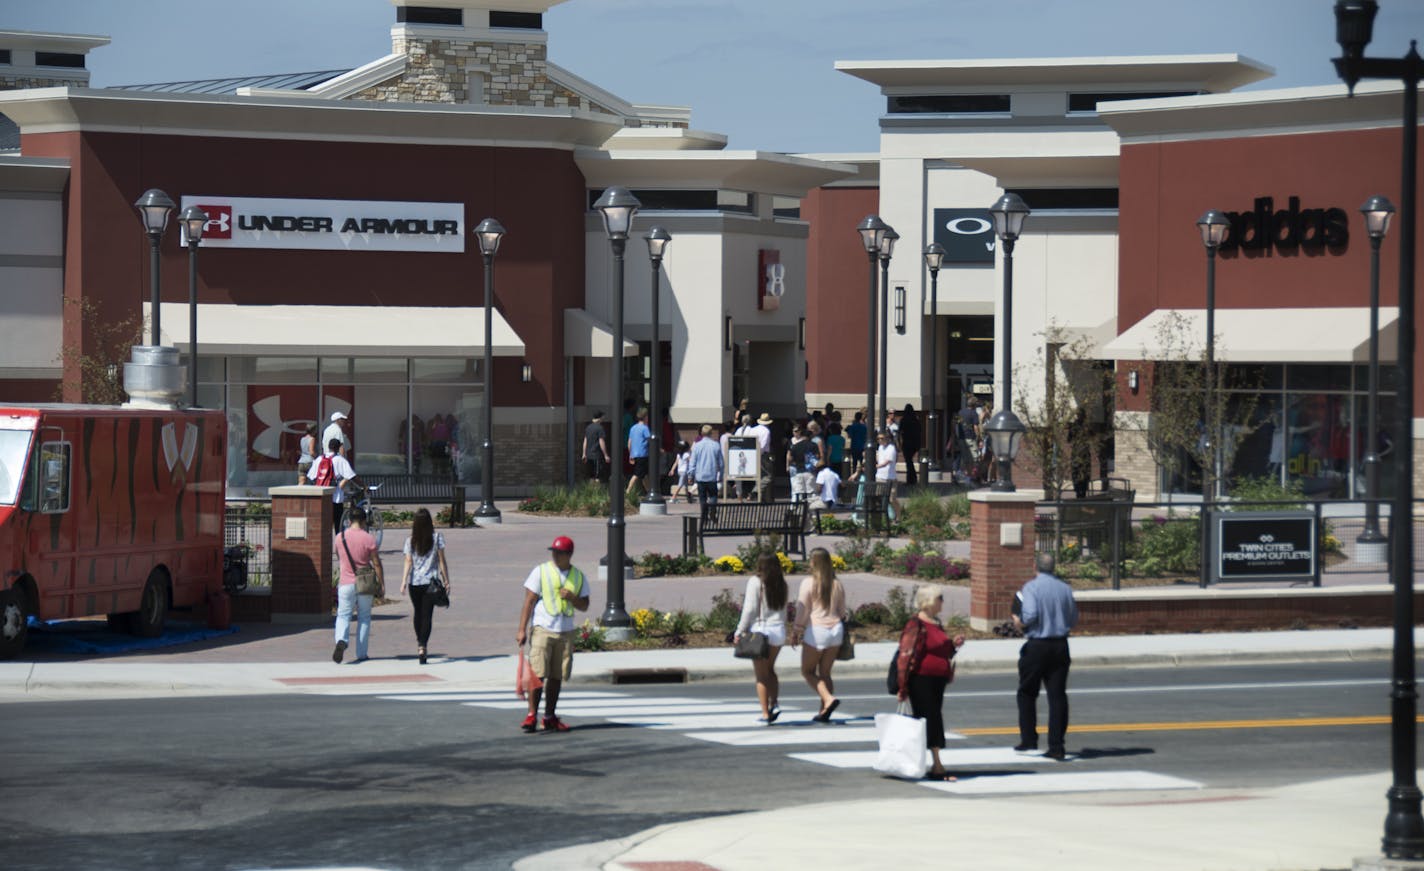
329	225
966	234
1265	545
743	458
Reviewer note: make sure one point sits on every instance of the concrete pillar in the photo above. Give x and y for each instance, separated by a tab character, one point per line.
1001	552
301	553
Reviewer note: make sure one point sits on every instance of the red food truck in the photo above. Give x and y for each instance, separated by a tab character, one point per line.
108	510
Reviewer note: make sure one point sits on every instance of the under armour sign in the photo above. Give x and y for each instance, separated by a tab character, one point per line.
330	225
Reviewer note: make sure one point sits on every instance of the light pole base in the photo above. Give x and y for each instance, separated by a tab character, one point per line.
1382	863
1371	550
619	633
652	508
603	570
488	514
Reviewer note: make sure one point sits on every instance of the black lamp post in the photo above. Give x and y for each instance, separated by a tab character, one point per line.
1403	824
872	232
489	232
193	220
887	248
1213	227
154	207
617	205
653	502
1005	430
1377	212
934	257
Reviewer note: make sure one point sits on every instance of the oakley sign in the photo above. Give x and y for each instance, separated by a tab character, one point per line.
331	225
966	234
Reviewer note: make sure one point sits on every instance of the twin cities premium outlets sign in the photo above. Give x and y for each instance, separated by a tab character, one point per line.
1263	228
331	225
1265	545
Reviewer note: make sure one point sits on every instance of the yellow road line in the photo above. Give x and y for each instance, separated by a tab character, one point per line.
1373	720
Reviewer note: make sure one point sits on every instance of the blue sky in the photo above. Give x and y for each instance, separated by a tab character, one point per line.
760	71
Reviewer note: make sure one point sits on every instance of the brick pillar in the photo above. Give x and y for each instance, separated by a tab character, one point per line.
1001	552
301	552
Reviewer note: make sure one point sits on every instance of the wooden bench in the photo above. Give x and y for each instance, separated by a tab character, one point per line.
1090	520
419	490
786	519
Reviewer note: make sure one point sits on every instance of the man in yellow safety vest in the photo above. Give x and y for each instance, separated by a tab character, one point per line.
552	592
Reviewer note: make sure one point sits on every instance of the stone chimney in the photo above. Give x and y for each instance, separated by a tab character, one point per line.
476	52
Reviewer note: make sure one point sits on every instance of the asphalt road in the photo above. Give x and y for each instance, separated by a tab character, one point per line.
315	780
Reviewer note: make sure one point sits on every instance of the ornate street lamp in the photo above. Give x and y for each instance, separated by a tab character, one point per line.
1372	544
193	220
1403	824
1005	430
489	233
154	207
934	258
617	205
1214	227
653	502
887	248
872	232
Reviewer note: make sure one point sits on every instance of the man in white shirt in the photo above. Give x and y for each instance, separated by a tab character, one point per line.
337	472
885	457
830	483
552	592
762	431
337	430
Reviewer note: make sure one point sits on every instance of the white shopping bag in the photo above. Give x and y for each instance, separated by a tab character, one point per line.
902	746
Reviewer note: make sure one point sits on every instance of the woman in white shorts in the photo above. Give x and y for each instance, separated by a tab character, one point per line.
820	621
764	612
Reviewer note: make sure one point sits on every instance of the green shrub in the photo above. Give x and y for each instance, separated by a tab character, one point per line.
726	611
654	564
1263	489
1167	544
590	637
1090	570
761	543
957	505
681	623
898	603
872	613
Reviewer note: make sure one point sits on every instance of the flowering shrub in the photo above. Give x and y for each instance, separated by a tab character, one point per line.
1330	544
787	566
654	563
590	637
957	570
726	611
837	562
871	612
729	564
645	621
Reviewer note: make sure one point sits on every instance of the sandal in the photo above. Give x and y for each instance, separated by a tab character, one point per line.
941	775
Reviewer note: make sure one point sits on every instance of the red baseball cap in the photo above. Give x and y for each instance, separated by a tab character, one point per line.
563	543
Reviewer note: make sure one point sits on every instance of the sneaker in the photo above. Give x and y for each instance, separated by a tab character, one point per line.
554	724
339	653
1026	748
1057	754
529	723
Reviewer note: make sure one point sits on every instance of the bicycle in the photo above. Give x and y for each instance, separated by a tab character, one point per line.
375	524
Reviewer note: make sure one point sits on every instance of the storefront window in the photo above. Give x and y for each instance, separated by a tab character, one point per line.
363	370
447	432
271	370
446	370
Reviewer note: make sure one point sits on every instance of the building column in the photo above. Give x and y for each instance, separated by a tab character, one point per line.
301	553
1001	552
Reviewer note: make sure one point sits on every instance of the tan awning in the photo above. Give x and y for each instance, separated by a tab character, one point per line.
1265	335
339	330
587	336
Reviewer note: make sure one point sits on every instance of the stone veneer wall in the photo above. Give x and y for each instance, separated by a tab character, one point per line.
527	455
1131	457
15	83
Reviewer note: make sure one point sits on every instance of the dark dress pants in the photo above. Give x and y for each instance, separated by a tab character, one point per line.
927	703
1043	662
423	607
707	497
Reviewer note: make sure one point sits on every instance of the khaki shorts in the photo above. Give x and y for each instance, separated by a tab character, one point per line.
551	647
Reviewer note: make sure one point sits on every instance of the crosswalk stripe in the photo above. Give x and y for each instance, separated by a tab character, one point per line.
1075	781
572	702
500	696
774	736
679	721
592	710
951	759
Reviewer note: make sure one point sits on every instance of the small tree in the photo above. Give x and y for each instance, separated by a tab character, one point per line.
1074	388
100	370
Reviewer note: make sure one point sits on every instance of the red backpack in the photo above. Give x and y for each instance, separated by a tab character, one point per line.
325	471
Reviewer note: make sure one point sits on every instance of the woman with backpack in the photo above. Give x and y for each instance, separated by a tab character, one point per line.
424	564
820	617
925	668
764	613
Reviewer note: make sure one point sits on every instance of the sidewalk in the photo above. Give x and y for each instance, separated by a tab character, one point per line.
1326	824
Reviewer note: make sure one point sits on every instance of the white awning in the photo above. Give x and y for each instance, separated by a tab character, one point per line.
587	336
339	330
1266	335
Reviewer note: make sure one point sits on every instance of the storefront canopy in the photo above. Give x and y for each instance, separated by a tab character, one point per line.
1264	335
587	336
338	331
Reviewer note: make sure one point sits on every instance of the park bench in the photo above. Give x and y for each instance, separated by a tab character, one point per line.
873	510
1090	521
419	490
786	519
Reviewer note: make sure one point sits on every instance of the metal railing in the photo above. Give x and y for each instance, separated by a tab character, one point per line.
247	537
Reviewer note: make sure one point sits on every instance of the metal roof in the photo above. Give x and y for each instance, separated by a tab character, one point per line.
288	81
9	135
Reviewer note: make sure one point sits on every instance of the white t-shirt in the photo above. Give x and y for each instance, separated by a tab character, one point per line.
552	622
423	568
333	431
830	484
885	454
340	468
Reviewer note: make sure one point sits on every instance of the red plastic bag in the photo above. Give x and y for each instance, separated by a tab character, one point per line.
525	680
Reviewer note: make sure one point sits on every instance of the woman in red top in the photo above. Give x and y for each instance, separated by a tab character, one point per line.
926	669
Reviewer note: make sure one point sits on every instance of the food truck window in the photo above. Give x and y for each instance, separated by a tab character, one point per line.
51	476
14	445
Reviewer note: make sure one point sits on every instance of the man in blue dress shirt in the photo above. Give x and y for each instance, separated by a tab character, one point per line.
1045	612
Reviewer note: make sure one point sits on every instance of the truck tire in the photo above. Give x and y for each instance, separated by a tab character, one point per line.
147	621
13	623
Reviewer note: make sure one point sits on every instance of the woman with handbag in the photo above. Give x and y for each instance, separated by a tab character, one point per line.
426	576
761	632
820	623
926	668
362	578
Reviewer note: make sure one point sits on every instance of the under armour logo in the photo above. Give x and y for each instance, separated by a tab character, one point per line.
219	225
